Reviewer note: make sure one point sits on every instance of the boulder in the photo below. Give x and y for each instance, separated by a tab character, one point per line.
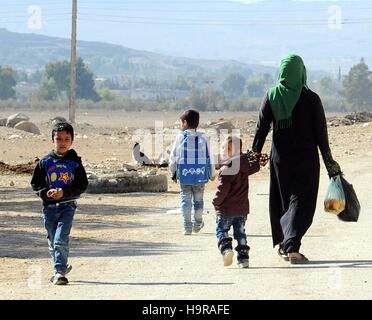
16	118
346	122
356	117
56	120
28	127
224	125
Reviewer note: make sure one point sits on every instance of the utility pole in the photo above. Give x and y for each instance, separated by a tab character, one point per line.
72	102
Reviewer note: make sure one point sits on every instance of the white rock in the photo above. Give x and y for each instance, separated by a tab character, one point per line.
15	136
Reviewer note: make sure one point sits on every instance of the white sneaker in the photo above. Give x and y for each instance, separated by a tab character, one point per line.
69	268
59	279
227	257
187	232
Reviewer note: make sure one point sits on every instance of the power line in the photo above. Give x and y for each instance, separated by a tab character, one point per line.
192	20
26	5
28	16
173	2
215	10
221	23
43	11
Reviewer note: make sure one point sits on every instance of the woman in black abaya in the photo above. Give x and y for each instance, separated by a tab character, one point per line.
299	128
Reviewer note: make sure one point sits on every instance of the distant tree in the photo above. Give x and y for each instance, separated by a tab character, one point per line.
36	76
47	91
106	94
326	86
85	82
357	87
181	84
7	83
256	88
59	72
196	100
210	98
21	75
268	80
236	105
234	85
221	103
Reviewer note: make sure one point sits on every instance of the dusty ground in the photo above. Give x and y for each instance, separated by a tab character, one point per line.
128	247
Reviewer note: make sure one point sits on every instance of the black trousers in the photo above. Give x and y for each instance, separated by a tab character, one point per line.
293	195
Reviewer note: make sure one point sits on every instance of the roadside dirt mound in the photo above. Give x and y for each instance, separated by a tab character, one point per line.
24	168
350	119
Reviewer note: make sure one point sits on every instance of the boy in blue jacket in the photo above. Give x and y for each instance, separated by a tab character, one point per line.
59	179
192	179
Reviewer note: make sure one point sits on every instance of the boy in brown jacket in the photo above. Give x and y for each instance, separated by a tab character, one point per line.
231	200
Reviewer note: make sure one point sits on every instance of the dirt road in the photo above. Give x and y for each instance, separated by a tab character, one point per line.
128	247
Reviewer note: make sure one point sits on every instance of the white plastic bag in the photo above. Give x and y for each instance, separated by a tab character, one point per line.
335	198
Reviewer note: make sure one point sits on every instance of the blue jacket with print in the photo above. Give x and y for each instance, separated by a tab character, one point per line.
55	171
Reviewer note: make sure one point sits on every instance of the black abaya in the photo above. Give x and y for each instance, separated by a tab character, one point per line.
294	167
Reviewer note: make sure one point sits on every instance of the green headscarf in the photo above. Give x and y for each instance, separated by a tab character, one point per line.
284	96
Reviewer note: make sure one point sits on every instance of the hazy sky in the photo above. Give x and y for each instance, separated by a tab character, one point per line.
246	30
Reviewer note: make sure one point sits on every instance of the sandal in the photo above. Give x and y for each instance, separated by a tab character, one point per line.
302	260
282	254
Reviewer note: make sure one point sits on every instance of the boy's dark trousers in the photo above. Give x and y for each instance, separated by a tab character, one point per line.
58	222
224	224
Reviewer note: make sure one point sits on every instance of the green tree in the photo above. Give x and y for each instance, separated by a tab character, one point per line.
106	94
357	87
234	85
59	72
7	83
48	90
85	82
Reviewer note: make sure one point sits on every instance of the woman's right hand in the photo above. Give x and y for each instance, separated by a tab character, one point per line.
333	168
262	158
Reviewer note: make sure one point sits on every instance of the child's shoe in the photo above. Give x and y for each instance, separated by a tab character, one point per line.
243	256
187	232
196	229
227	257
59	279
69	268
225	246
